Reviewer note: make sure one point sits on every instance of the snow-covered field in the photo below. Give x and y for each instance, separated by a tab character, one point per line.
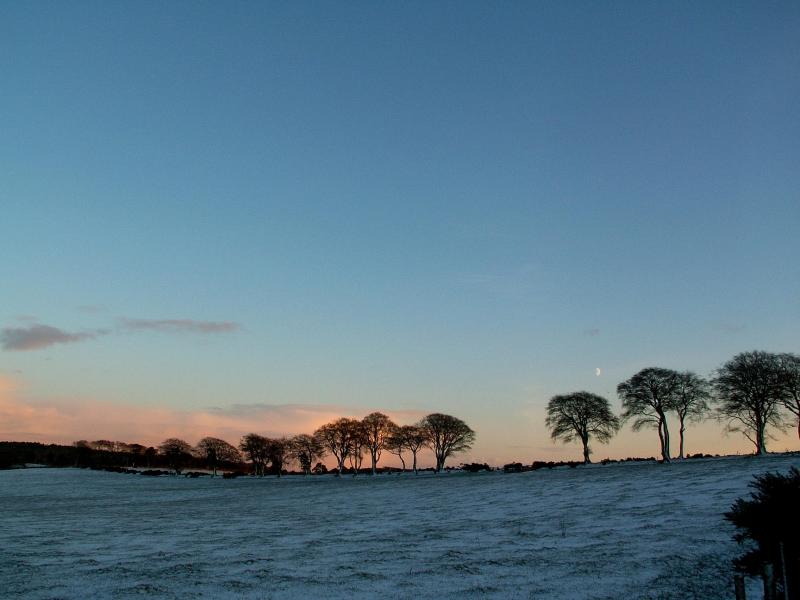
619	531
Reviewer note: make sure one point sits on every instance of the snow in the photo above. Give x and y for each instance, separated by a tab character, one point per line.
615	531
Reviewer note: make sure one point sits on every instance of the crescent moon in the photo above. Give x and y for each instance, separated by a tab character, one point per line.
598	371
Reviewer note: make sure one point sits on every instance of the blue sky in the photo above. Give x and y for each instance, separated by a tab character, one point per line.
461	207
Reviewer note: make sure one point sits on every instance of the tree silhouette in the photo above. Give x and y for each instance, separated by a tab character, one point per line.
216	451
789	373
358	445
336	438
407	437
647	397
306	449
446	435
395	443
579	416
690	401
749	392
177	452
279	452
255	448
377	429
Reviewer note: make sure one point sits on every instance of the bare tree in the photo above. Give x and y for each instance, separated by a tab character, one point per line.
690	402
749	391
579	416
647	397
789	373
177	452
255	448
396	444
407	437
358	445
216	451
377	429
335	437
446	435
306	449
415	439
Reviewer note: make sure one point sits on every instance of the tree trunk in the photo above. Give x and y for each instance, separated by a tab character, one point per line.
665	450
661	437
374	462
415	461
761	444
680	454
585	440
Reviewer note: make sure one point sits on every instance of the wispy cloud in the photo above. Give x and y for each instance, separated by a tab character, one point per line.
179	325
36	337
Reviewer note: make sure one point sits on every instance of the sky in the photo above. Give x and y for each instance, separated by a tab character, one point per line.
217	219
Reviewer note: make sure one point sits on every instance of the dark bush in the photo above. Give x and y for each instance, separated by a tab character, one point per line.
155	472
513	468
769	524
475	467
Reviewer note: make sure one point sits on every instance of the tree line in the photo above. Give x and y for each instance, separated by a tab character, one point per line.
750	393
349	441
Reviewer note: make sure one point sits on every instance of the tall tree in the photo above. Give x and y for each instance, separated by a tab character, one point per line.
306	449
579	416
216	451
647	397
446	435
396	444
358	445
749	391
690	401
336	438
407	437
255	448
177	452
789	373
377	429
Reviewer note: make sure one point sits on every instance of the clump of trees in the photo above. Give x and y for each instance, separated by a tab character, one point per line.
348	439
751	393
306	450
177	451
406	437
215	451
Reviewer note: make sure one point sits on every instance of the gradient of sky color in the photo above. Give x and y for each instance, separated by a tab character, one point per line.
276	212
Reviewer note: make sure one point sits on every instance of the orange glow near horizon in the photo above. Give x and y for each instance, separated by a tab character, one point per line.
65	421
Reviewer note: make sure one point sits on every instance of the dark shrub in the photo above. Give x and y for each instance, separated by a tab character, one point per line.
475	467
769	523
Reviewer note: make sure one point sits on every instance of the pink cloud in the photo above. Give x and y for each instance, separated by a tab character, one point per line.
180	325
65	421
